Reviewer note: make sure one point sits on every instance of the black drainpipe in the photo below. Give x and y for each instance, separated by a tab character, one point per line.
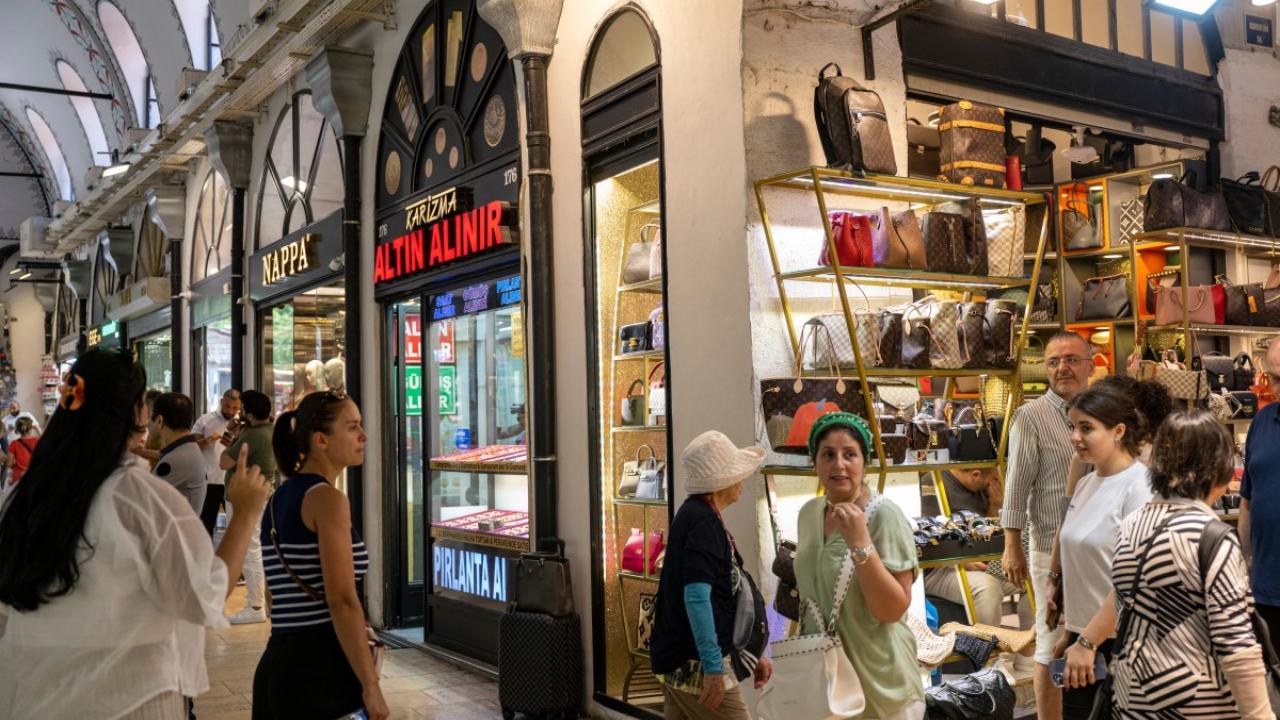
237	288
177	338
354	288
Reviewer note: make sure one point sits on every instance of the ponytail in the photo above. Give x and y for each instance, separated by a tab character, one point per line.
288	455
291	439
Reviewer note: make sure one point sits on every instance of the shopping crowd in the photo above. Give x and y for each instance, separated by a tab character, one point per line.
1148	605
134	519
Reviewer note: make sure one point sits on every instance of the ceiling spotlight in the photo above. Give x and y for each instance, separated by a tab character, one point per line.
1168	175
115	170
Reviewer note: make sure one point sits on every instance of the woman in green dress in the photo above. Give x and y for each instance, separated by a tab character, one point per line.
852	518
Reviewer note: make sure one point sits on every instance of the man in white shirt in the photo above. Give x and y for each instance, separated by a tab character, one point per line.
208	430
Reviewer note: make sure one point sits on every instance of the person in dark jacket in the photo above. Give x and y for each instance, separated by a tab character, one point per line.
692	647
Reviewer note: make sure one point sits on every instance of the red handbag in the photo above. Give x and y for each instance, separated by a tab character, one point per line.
852	235
636	550
1262	388
1219	296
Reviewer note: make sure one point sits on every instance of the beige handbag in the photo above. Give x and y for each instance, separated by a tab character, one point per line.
946	351
839	352
1006	230
906	243
1181	383
866	326
902	398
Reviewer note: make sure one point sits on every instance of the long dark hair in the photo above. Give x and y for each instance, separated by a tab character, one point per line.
42	527
291	439
1141	405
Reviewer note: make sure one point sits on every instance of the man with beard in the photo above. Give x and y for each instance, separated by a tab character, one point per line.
209	428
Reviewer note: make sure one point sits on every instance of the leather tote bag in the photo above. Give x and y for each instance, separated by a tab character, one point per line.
544	584
1199	305
974	260
1006	230
1181	383
971	441
973	333
852	235
637	265
638	549
944	242
812	676
1219	370
1079	227
1000	319
946	351
1104	298
791	404
906	244
1271	193
916	339
839	351
1269	314
631	471
1244	303
655	248
1246	204
890	337
633	404
852	124
1168	277
1175	203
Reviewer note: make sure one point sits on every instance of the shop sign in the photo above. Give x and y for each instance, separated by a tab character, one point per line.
413	390
413	339
470	571
477	298
517	334
439	229
446	379
294	258
1259	30
444	353
105	331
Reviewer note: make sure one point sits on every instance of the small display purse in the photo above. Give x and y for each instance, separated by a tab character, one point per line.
1104	298
638	549
634	338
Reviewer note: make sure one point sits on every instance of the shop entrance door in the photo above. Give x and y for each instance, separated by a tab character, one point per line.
405	397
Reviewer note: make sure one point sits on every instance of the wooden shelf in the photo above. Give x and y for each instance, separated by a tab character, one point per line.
650	287
513	468
903	278
646	355
638	428
913	373
1252	245
1217	329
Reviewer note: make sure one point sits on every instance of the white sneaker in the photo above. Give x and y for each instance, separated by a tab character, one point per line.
248	616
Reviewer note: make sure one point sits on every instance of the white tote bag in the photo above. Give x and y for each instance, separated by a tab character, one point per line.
812	677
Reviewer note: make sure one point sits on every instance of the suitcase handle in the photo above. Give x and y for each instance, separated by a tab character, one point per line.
823	72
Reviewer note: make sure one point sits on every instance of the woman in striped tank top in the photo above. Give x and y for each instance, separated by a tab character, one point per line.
317	663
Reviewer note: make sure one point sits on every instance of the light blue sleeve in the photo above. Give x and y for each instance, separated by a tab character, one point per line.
697	605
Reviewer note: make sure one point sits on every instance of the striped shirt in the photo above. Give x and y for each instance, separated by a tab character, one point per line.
1182	621
1035	486
292	609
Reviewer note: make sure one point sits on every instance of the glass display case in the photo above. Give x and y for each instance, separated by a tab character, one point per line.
303	345
154	353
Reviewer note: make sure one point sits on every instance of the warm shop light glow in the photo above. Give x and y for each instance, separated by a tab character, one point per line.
1167	175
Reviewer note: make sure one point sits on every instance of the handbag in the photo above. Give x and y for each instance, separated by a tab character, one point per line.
377	648
657	329
812	675
902	398
852	124
651	475
944	241
1219	370
1181	383
945	351
1078	226
1175	203
890	337
963	698
1104	298
790	405
645	620
1271	193
634	338
1164	278
1000	318
543	583
1006	230
916	340
1242	372
637	266
1031	367
637	549
655	249
787	601
657	395
1261	388
851	233
927	433
1244	303
1199	301
1246	404
633	404
973	320
1246	204
1045	307
906	244
839	351
1130	221
971	442
631	471
973	256
784	560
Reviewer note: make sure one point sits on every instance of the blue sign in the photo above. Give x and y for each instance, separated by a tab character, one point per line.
470	571
462	438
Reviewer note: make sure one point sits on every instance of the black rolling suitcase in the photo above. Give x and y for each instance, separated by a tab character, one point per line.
540	666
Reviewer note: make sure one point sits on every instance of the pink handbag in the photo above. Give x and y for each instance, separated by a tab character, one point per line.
1199	305
636	549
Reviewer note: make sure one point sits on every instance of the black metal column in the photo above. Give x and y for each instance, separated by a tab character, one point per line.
237	288
177	338
542	304
354	291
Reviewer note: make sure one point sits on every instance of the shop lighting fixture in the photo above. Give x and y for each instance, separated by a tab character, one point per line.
289	182
1102	327
985	2
1166	175
1114	256
115	170
15	271
1172	249
1095	188
1263	3
1190	7
25	275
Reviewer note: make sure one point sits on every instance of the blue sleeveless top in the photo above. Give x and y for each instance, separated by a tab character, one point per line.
292	609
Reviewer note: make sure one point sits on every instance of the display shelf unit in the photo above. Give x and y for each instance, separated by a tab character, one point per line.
513	468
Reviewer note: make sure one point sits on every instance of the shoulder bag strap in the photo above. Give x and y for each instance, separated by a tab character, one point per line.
1215	532
842	590
315	594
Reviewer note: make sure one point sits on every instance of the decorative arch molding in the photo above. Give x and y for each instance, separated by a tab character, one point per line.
146	57
103	63
211	239
284	195
86	111
33	156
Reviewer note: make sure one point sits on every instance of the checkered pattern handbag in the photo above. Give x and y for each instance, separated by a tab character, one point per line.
946	351
1006	230
1130	220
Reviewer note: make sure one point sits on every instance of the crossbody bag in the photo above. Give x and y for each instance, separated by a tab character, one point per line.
377	648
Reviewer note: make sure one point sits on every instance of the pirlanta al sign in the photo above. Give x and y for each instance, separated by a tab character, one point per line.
437	232
470	571
297	257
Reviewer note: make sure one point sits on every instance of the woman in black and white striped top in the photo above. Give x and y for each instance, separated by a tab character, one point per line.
1180	609
317	662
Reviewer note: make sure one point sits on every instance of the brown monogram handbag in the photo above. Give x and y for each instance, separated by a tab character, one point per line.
973	259
972	151
1000	318
787	401
944	241
973	319
916	341
891	334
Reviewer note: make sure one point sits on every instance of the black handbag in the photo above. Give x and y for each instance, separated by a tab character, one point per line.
978	696
971	442
891	336
784	562
1246	404
1000	318
1246	204
543	583
787	601
915	343
1219	368
1104	298
1175	203
1243	372
634	338
1244	303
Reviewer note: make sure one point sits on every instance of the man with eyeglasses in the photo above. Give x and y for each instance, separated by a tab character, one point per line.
1259	525
1040	452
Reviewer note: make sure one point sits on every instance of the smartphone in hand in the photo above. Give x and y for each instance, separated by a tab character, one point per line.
1058	670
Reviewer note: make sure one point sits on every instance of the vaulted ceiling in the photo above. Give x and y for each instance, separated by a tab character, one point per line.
41	133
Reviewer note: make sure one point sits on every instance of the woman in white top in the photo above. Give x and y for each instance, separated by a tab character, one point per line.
1108	422
108	578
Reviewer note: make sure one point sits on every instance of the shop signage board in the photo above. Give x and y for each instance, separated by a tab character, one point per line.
471	570
298	260
446	381
145	296
211	299
477	298
444	353
106	335
413	365
1259	30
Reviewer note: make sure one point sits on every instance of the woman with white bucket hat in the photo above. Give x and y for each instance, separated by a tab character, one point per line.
692	651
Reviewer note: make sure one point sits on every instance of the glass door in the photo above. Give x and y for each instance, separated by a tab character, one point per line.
405	400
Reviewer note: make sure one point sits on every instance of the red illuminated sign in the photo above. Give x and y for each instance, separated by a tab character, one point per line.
447	239
413	339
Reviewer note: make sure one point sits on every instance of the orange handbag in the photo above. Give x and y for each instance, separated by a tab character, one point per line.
1262	388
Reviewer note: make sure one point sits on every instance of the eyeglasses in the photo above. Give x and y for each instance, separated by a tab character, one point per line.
1071	361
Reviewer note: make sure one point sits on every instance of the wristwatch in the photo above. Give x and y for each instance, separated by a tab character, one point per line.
1086	643
1055	576
862	554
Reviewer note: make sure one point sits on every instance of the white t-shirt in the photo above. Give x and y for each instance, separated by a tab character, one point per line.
212	423
134	625
1087	541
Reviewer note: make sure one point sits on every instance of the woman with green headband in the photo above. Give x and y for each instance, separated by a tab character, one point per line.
853	522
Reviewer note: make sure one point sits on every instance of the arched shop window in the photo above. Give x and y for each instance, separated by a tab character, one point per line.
128	53
211	249
57	161
88	114
623	50
452	105
302	179
201	32
106	279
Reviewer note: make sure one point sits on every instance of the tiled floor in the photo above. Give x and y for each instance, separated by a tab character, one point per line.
416	685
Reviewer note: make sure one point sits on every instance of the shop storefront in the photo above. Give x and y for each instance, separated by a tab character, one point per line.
151	338
296	285
447	278
211	340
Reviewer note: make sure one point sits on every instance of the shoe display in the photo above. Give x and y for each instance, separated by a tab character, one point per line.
248	616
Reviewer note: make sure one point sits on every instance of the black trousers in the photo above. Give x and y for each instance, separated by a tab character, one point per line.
304	674
213	496
1077	703
1270	614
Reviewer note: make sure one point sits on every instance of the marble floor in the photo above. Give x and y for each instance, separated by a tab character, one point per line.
416	685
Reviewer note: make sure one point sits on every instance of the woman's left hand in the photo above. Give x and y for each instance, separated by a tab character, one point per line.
851	522
764	671
1080	662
